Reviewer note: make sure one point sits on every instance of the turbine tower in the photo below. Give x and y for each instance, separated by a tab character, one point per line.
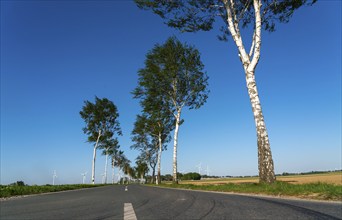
103	177
207	170
199	167
83	176
53	177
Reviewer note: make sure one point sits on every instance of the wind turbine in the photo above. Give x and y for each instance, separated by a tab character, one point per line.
103	177
207	170
53	177
182	171
83	176
199	167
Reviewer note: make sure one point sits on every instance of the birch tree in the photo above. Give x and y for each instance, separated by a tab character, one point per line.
196	15
110	147
156	121
146	143
141	167
118	159
174	72
102	123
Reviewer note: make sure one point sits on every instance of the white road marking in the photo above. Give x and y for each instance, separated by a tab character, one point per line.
129	213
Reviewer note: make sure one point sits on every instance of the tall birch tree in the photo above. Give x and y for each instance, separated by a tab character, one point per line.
149	136
156	121
174	72
109	147
102	123
196	15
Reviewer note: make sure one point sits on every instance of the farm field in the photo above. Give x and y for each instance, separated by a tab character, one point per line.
330	178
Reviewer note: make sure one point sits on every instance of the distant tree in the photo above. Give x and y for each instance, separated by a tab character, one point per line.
157	123
151	158
117	160
167	177
174	72
145	142
102	123
196	15
191	176
110	147
18	183
141	167
180	175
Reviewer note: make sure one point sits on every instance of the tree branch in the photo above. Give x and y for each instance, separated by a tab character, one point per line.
236	36
253	45
256	56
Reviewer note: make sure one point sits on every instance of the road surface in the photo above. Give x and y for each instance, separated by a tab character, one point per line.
143	202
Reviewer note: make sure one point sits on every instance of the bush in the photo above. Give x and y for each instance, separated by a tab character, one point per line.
191	176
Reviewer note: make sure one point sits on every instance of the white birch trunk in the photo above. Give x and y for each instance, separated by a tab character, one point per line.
113	171
94	158
265	161
175	142
158	181
106	166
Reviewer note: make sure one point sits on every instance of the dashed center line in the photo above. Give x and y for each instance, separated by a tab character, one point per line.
129	213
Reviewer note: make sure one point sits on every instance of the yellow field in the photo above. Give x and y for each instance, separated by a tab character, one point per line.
333	177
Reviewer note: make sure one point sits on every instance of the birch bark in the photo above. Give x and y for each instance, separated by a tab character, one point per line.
113	171
159	158
94	158
265	161
106	166
175	142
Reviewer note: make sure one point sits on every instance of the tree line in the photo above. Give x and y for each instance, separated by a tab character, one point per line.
174	78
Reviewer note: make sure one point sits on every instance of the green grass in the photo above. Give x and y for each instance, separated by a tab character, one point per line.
14	190
322	191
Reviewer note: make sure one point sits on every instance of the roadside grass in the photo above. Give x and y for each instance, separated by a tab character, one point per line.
15	190
319	190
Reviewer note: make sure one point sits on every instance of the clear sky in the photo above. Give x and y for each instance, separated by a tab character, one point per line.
57	54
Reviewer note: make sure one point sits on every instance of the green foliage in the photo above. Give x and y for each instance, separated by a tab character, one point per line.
100	116
119	159
196	15
174	74
148	128
18	183
18	190
173	78
191	176
318	190
305	173
166	177
141	167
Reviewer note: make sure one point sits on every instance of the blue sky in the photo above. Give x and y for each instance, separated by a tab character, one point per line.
56	54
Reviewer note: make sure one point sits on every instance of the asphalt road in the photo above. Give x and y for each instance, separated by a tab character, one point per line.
142	202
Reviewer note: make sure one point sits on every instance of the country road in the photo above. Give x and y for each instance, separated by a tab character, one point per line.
142	202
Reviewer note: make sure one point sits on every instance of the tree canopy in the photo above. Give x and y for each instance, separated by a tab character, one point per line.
100	116
175	72
173	78
200	15
102	124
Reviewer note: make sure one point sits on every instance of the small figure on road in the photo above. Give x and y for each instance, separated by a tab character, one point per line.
126	188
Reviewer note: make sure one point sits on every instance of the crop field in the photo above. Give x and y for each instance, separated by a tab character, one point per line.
318	186
330	178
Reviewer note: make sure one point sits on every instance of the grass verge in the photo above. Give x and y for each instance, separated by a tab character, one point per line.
9	190
321	191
